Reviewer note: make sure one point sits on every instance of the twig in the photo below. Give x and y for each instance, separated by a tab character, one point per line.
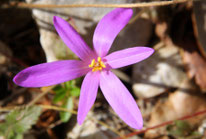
137	15
108	127
7	109
74	112
165	123
57	108
128	5
16	60
40	95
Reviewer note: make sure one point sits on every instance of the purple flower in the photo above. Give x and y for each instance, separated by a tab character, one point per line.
96	65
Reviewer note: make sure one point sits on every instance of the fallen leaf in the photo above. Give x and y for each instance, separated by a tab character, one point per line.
180	103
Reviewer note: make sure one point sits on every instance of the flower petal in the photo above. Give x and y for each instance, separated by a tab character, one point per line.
128	56
47	74
108	28
88	95
120	100
71	38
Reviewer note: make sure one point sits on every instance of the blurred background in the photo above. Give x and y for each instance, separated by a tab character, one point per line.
169	87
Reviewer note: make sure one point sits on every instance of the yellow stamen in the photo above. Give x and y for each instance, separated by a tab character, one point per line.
102	64
97	65
92	63
99	59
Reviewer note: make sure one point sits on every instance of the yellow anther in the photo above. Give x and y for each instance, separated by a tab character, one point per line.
92	63
99	59
102	64
97	65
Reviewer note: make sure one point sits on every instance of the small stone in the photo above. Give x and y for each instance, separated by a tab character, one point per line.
84	20
163	70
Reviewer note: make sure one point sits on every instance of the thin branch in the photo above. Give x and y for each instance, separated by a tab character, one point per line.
40	95
128	5
57	108
8	109
75	112
165	123
108	127
138	15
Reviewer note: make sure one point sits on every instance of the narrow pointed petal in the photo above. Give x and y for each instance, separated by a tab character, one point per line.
108	28
88	95
120	100
71	38
50	73
128	56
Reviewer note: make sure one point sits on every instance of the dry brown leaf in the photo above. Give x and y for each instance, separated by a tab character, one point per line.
180	103
199	24
196	66
181	31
